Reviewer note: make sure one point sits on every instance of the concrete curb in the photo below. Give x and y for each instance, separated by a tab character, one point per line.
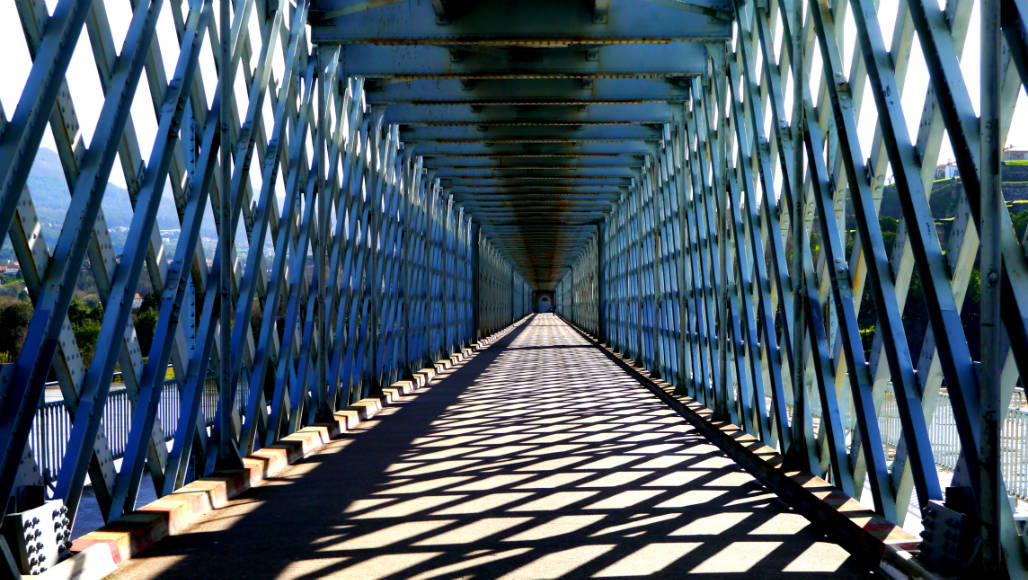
100	552
858	529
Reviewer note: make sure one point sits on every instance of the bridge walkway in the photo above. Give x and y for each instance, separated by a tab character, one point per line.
538	458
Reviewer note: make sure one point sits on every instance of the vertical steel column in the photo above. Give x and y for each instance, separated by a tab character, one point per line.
992	209
228	458
802	455
601	283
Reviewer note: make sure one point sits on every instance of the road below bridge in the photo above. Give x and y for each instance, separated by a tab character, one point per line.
537	458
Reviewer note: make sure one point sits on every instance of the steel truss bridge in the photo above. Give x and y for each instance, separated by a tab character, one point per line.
698	185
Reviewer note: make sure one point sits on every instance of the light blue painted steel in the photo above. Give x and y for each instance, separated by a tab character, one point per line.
555	24
740	171
496	92
351	208
433	62
659	169
474	131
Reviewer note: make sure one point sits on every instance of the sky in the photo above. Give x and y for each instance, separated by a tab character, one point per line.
84	84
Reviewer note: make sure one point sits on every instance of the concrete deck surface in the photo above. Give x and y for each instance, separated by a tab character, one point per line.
538	458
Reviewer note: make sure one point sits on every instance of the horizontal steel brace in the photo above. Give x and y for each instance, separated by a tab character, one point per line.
575	180
504	23
605	161
534	173
388	91
412	134
515	149
537	188
620	113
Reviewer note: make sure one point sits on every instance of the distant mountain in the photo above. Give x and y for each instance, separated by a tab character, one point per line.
51	198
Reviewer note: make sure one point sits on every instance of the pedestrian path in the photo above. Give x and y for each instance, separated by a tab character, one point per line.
538	458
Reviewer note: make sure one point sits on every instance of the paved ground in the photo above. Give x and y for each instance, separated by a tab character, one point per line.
539	458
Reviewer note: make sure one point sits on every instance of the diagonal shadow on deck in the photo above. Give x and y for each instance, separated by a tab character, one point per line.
536	459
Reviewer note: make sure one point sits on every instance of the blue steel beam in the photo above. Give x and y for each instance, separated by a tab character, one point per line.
539	161
540	189
534	172
131	265
535	23
471	131
578	180
505	209
23	132
33	366
500	150
639	113
542	218
516	205
449	90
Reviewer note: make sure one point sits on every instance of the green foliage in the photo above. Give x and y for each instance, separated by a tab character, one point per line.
1020	220
86	335
889	227
146	325
80	312
85	318
867	336
145	321
14	321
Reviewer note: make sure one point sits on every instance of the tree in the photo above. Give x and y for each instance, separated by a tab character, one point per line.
146	325
86	335
14	322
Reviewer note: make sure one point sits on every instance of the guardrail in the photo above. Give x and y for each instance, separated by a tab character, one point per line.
52	425
942	432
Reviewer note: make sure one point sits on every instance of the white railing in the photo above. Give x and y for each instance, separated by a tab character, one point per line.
51	428
942	432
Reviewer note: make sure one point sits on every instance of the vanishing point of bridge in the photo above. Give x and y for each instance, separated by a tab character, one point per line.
437	288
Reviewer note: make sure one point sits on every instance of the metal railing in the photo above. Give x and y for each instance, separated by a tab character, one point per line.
51	427
942	432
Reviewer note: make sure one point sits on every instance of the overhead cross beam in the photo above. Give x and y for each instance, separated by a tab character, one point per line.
528	108
491	91
564	113
538	161
500	150
532	23
579	132
483	61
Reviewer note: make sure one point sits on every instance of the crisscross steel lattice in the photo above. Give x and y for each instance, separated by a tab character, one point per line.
360	268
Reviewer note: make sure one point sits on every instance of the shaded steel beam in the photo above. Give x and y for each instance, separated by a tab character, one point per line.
578	180
547	189
419	61
533	172
451	90
502	24
551	218
554	205
472	131
435	148
585	113
540	162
